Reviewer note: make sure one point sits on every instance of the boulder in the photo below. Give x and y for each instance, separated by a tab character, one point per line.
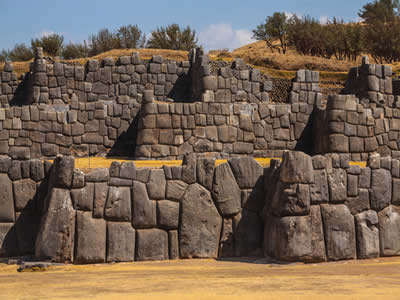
63	167
296	167
83	198
200	226
120	242
152	244
291	200
389	231
144	213
156	184
381	189
225	191
338	186
168	214
247	171
90	239
55	240
367	234
24	194
339	232
118	205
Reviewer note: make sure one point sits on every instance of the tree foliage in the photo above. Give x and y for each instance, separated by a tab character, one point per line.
52	44
75	50
173	37
20	52
131	37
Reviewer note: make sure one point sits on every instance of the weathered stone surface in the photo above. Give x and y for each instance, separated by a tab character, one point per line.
83	198
247	171
227	243
367	234
339	232
90	239
152	244
7	213
120	242
98	175
189	168
24	193
291	200
127	170
8	239
176	189
247	234
27	227
319	189
381	189
201	223
296	168
144	213
205	171
156	184
338	185
225	191
56	234
360	203
100	197
118	205
173	242
63	171
168	214
389	231
78	179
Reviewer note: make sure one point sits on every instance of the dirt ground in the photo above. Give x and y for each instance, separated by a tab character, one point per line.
207	279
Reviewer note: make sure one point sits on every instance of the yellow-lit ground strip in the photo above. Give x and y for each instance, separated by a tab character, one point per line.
104	162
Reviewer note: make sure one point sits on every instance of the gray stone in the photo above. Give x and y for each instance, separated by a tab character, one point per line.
83	198
127	170
389	231
247	234
78	179
7	213
98	175
338	186
200	226
396	192
36	170
173	242
339	232
247	171
55	239
90	239
152	244
319	189
168	214
144	213
381	189
291	200
210	83
296	168
24	194
120	242
8	239
359	203
189	165
64	170
367	234
176	189
14	171
205	171
225	191
157	184
227	246
118	205
100	197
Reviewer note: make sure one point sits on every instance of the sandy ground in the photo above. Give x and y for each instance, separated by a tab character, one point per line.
207	279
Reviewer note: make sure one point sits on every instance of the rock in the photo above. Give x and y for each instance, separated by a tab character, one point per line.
144	213
63	171
152	244
247	234
226	246
225	191
83	198
127	170
7	213
319	189
78	179
156	184
338	186
291	200
27	227
98	175
367	234
176	189
247	171
8	239
381	189
120	242
205	171
90	239
100	196
360	203
200	226
189	168
37	170
296	167
168	214
389	231
118	205
339	232
173	242
24	194
55	240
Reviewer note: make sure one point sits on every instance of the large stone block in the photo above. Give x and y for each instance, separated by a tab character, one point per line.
63	171
381	189
291	200
24	194
152	244
90	239
175	189
57	229
296	167
225	191
319	189
156	184
7	213
120	242
247	234
144	213
100	197
118	205
367	234
338	186
338	143
389	231
205	171
339	232
247	171
168	214
27	227
8	239
201	223
83	198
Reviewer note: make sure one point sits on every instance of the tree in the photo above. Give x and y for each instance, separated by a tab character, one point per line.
173	37
275	28
52	44
131	37
103	41
72	51
20	52
379	11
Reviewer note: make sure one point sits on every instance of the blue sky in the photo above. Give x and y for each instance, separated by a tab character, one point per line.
219	23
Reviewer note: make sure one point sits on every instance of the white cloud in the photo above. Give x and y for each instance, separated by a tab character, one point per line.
323	19
45	33
222	36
